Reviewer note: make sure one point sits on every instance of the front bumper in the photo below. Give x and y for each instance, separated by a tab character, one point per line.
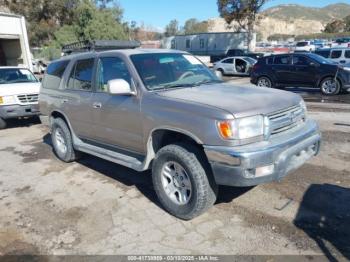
15	111
241	166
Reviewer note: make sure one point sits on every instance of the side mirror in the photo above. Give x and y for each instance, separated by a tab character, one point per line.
313	64
119	87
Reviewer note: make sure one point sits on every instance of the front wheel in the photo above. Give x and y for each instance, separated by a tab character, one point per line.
183	182
264	82
330	86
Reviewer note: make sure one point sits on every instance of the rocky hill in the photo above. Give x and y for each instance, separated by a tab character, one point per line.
290	19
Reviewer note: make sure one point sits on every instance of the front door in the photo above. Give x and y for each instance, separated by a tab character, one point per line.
116	118
304	71
228	65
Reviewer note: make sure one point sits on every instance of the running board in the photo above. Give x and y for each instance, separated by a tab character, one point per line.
109	155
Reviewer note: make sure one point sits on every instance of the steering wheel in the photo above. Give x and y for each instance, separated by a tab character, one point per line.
186	74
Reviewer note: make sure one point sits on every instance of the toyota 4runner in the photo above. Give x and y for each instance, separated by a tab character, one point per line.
164	110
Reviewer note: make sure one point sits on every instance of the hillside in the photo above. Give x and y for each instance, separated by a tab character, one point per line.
290	19
324	14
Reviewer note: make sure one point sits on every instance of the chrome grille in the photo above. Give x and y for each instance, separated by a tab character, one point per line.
285	120
28	99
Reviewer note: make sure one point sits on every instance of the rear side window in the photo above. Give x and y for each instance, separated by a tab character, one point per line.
228	61
81	75
282	60
54	73
336	54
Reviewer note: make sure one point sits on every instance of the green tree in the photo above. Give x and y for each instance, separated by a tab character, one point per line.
172	28
44	17
193	26
336	26
92	23
243	12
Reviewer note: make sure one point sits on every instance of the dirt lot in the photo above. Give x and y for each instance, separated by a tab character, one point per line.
97	207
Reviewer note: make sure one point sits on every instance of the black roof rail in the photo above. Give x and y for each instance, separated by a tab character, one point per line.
99	45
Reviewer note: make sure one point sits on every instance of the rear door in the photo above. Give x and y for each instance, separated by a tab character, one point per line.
228	65
282	69
304	71
76	99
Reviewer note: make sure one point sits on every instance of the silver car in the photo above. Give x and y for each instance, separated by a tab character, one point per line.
239	65
165	111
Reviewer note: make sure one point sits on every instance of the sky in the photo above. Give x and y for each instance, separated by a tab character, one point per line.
158	13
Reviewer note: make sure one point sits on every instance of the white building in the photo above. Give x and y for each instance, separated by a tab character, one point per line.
14	45
208	44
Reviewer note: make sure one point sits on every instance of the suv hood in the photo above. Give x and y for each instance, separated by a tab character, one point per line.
239	101
19	89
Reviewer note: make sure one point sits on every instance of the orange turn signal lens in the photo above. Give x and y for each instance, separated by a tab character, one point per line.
225	129
1	100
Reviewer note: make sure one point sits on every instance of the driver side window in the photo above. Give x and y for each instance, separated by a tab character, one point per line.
109	68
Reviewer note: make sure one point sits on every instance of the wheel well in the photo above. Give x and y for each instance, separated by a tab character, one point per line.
56	114
323	78
162	138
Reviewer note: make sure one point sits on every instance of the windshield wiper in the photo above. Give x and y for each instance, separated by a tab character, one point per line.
169	86
208	81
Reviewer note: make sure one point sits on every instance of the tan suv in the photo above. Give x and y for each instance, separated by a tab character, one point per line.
164	110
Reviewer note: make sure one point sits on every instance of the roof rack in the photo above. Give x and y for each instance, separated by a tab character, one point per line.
98	45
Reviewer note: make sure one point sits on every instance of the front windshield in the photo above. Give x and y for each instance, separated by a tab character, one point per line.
16	75
170	70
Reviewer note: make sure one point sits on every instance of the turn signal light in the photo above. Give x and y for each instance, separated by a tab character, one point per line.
225	129
1	100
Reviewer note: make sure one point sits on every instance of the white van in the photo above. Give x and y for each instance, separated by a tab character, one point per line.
340	55
19	93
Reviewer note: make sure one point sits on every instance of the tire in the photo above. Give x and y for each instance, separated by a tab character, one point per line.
264	81
220	73
330	87
62	141
197	183
2	123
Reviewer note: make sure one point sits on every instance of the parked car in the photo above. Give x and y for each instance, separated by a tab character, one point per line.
305	46
338	55
19	90
304	69
164	110
235	53
240	65
341	42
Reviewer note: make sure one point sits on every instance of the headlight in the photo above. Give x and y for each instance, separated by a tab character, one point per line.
242	128
346	68
7	100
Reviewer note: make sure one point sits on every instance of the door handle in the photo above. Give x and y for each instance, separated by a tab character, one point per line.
63	101
96	105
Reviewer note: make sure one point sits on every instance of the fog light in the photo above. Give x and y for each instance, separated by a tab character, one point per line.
264	171
259	171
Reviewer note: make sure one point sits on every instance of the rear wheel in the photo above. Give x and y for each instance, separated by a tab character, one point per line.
2	123
62	141
182	181
264	82
330	86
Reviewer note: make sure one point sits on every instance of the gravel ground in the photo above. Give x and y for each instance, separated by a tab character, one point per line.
97	207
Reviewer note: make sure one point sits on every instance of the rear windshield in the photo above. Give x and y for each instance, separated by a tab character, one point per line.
16	75
302	43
